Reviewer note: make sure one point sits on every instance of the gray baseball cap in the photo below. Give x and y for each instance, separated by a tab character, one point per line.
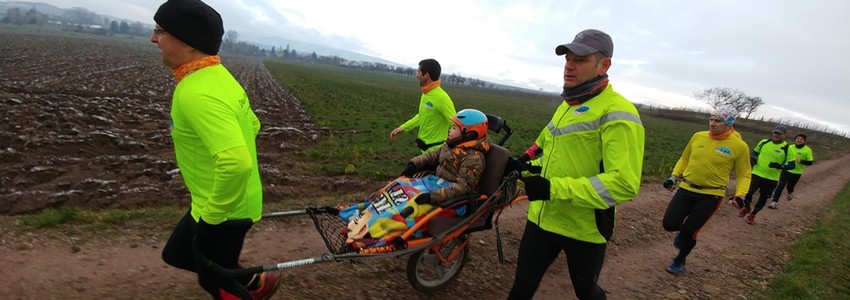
780	129
588	42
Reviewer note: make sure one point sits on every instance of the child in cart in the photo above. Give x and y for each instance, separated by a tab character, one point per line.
458	166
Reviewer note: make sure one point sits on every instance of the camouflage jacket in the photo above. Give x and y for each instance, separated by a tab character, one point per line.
462	165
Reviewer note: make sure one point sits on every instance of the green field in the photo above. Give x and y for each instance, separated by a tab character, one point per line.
362	107
819	268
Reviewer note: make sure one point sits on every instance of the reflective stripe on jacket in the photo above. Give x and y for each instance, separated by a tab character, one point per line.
593	156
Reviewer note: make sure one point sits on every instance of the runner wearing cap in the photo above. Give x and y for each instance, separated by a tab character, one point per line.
768	160
801	156
702	175
591	163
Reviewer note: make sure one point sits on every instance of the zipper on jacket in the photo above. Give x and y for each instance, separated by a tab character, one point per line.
540	211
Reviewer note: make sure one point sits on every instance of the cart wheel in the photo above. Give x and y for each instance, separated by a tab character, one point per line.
425	272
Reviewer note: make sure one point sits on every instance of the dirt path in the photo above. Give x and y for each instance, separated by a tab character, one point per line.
61	101
730	259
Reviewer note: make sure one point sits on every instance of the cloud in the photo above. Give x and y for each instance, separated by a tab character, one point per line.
783	51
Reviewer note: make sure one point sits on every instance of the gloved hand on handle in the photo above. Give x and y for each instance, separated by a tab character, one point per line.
522	163
536	188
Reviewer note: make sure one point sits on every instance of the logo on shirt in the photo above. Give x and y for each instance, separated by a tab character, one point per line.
429	105
582	109
723	150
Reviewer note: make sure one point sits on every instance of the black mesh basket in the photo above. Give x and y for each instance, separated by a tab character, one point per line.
330	226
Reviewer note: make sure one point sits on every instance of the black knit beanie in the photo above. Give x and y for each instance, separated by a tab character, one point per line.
192	22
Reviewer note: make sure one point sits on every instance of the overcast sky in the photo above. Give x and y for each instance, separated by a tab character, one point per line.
793	54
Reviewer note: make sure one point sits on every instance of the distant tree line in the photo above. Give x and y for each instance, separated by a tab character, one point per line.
761	123
17	17
232	45
76	19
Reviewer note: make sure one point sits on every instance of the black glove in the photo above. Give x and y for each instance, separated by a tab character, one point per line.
536	187
409	169
534	169
423	199
775	165
670	183
518	165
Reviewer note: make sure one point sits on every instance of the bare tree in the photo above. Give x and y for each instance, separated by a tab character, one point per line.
751	104
230	39
721	96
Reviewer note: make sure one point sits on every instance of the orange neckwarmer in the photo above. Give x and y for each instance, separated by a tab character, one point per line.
433	85
192	66
722	135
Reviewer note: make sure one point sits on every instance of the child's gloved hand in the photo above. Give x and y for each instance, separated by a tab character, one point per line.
409	169
536	188
423	199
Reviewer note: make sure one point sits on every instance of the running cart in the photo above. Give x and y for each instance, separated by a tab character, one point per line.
437	253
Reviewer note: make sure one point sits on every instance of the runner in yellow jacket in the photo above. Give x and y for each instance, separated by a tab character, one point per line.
436	109
702	175
591	162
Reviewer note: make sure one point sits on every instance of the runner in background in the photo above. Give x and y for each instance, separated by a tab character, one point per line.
768	160
702	175
801	155
436	109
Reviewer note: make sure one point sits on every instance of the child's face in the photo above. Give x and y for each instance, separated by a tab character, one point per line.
454	132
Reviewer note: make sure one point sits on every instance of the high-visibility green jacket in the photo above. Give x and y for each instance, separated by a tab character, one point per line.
804	153
434	118
592	156
214	132
767	152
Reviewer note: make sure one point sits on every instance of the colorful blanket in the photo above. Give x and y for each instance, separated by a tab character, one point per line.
370	223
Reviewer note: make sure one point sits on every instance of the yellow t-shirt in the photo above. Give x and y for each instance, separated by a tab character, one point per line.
707	163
